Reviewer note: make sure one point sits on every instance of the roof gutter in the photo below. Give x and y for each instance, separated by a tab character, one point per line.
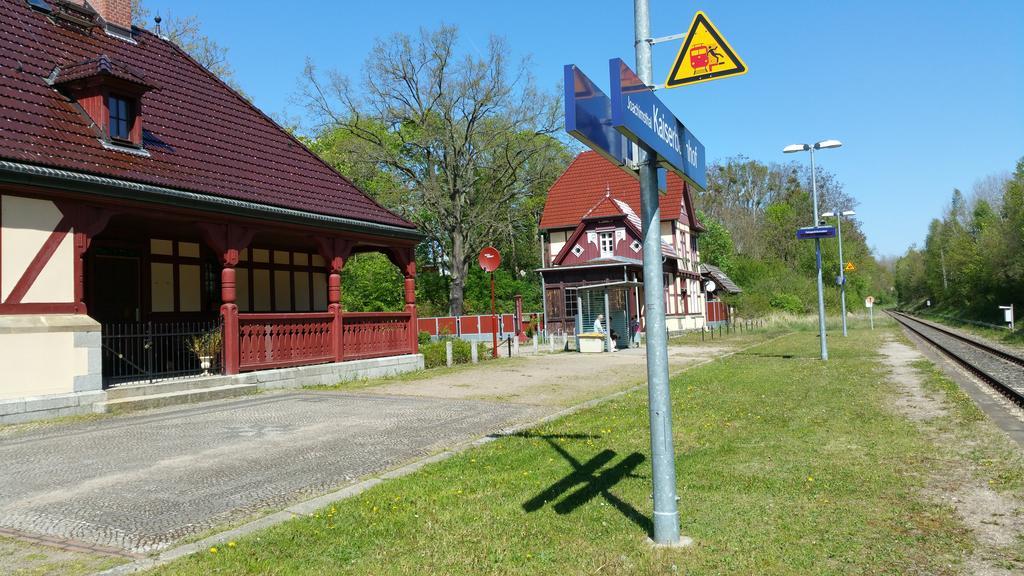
28	174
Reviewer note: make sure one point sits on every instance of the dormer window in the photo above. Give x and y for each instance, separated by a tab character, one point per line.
119	111
607	245
110	93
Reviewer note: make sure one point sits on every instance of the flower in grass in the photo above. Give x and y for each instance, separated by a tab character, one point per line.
232	544
810	478
213	550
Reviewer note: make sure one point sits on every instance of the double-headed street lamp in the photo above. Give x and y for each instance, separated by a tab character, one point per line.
817	241
842	268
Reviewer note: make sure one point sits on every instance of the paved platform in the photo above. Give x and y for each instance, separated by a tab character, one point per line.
141	483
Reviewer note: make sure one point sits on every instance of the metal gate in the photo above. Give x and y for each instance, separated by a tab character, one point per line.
150	351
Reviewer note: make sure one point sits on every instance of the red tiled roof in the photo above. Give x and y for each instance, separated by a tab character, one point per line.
201	136
97	67
590	177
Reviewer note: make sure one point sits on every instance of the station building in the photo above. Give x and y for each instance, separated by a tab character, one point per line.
146	206
591	249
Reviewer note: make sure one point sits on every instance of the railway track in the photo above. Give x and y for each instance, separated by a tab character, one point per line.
1002	369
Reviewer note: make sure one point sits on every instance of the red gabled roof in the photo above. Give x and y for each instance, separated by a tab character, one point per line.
589	177
200	135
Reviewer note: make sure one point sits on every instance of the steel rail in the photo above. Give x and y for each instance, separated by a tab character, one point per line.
913	324
1004	354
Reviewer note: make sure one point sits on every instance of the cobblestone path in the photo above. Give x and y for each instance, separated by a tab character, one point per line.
141	483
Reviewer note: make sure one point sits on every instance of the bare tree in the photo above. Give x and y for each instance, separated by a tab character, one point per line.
187	33
469	138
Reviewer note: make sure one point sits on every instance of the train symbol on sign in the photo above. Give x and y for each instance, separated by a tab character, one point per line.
700	57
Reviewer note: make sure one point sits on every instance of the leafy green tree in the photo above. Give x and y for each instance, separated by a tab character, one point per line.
371	283
973	257
715	243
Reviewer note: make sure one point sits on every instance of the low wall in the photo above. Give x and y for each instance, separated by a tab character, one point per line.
53	406
49	364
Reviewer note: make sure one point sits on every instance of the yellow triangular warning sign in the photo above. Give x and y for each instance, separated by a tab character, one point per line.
850	267
704	55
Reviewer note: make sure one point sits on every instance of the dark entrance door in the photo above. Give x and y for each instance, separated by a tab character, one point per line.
115	289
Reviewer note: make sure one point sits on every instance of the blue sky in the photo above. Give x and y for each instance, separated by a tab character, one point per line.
926	96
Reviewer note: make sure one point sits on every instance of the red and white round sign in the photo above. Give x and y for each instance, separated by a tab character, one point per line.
489	259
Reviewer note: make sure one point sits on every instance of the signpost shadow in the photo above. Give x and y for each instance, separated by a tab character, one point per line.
589	480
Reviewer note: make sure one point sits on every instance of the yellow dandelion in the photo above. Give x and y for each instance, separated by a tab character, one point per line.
213	550
810	478
231	544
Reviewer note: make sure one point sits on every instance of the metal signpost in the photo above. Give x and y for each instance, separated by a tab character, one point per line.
869	303
824	144
849	265
634	130
489	260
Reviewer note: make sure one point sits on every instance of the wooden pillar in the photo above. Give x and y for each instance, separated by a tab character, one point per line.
405	258
229	314
86	223
228	240
334	307
410	307
335	251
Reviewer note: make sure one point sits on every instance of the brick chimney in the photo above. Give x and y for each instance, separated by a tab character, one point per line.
115	12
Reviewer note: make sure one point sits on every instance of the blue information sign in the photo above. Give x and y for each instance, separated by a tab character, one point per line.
812	232
588	118
641	115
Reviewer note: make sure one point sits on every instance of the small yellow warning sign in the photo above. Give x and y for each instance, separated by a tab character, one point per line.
704	55
850	267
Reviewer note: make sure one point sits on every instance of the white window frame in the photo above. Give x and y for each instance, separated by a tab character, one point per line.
608	236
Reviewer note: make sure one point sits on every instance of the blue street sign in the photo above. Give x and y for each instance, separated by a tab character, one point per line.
812	232
588	118
840	280
640	115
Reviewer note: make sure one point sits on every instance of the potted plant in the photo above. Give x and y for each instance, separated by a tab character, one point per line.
205	346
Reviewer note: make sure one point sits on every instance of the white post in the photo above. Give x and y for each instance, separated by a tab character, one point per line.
515	345
551	342
871	316
473	353
535	343
448	353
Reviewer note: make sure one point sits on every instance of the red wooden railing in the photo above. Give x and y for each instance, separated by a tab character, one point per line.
375	334
282	340
296	339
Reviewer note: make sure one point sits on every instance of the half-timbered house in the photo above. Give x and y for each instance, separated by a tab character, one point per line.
592	254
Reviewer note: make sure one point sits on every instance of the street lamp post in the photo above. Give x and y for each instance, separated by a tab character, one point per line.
842	268
824	144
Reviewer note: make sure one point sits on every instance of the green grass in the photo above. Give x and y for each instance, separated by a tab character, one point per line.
786	465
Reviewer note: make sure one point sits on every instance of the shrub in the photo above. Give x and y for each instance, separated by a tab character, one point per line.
434	354
423	337
787	303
